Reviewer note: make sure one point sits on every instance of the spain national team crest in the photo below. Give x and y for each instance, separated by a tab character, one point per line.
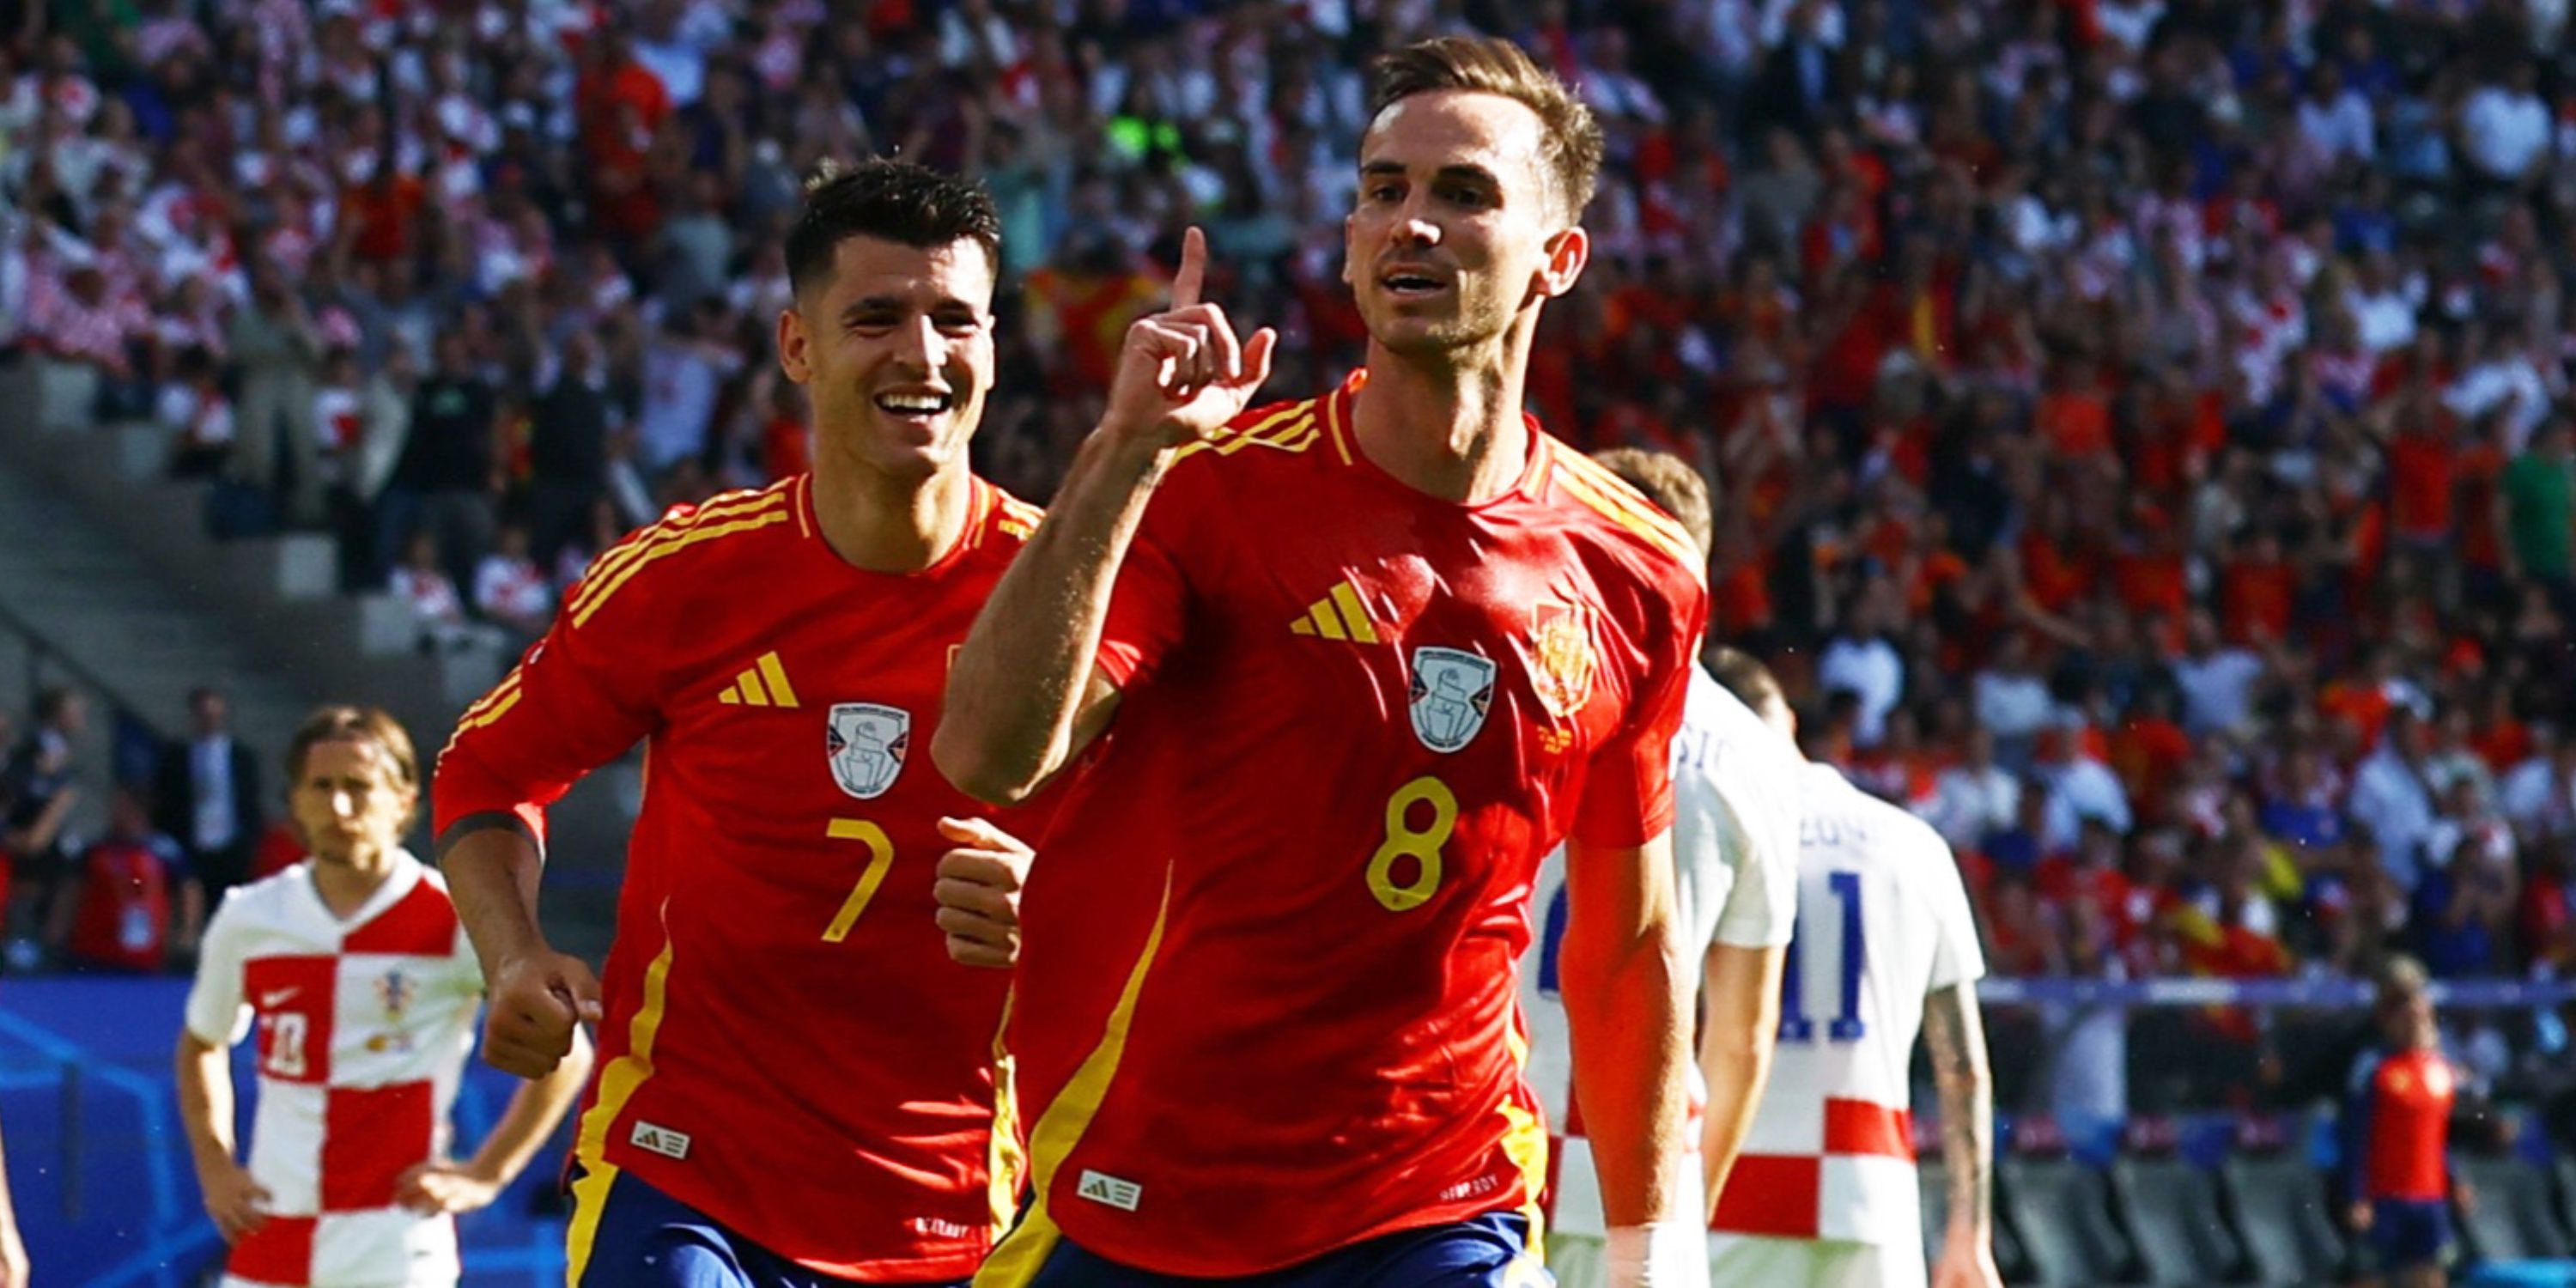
1562	659
867	743
1451	691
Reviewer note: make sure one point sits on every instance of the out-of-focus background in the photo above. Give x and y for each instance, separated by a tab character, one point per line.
2141	427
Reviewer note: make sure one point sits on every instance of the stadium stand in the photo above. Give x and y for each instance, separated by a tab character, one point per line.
2512	1216
2142	426
2177	1220
2062	1211
2283	1212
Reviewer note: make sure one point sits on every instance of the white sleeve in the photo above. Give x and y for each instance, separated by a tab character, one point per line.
1760	792
217	1013
1956	957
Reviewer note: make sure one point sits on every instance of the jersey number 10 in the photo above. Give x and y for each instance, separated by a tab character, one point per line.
1846	1025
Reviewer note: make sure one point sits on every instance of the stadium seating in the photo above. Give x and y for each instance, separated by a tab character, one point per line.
2062	1210
2511	1217
2176	1221
2285	1218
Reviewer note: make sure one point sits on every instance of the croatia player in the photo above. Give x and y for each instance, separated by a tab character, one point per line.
1735	856
798	1083
1825	1191
1371	655
365	990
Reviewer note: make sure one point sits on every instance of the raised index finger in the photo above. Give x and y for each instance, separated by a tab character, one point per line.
1185	283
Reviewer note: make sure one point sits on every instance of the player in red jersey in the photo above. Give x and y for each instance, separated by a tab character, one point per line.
1370	654
2397	1131
797	1083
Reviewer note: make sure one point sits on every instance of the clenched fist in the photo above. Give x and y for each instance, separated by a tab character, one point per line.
537	1002
979	892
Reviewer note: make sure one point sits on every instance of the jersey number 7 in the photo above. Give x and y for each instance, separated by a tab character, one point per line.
880	858
1846	1026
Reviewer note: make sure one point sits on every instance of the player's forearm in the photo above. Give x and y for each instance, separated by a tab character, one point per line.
1954	1034
205	1077
8	1210
1742	997
534	1110
1626	1002
1022	680
492	874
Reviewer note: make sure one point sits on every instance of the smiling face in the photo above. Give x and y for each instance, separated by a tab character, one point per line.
895	349
1456	234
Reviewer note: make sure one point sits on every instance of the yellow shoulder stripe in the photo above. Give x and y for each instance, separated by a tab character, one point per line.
487	709
1018	517
1662	535
1618	490
641	541
673	543
1291	428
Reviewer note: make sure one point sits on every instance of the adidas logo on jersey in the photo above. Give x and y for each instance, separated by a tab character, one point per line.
1101	1188
1341	615
762	684
660	1140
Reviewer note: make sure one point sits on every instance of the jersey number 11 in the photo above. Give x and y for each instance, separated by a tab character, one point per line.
1846	1026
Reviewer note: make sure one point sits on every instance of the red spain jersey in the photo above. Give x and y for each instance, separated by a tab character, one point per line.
787	1047
2402	1106
1266	1003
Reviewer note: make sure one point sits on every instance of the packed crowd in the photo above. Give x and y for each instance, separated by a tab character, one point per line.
2142	424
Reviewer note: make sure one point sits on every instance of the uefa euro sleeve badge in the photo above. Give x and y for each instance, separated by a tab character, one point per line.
1451	691
867	743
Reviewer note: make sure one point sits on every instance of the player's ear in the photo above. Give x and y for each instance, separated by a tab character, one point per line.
1350	255
792	339
1567	253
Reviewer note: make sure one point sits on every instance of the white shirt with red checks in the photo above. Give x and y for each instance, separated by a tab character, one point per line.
364	1026
1882	921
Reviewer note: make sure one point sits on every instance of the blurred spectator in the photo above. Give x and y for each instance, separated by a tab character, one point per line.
2391	797
133	901
1862	661
1975	797
511	590
274	347
206	795
421	582
450	473
569	426
37	781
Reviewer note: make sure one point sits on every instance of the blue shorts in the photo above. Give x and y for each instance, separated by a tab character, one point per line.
2409	1232
1491	1251
644	1238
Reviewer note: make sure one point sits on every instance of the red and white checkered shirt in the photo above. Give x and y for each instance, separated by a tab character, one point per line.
364	1027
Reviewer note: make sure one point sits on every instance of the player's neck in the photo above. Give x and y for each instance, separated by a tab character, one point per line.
346	884
880	523
1447	427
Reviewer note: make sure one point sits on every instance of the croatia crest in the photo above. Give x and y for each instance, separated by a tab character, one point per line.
867	743
1451	691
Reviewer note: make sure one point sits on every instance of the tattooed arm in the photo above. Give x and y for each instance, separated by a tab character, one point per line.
1956	1035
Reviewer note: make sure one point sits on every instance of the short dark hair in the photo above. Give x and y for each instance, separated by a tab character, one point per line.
355	724
1570	142
896	201
1673	484
1743	675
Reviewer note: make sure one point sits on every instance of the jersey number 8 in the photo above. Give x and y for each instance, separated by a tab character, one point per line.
1422	846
